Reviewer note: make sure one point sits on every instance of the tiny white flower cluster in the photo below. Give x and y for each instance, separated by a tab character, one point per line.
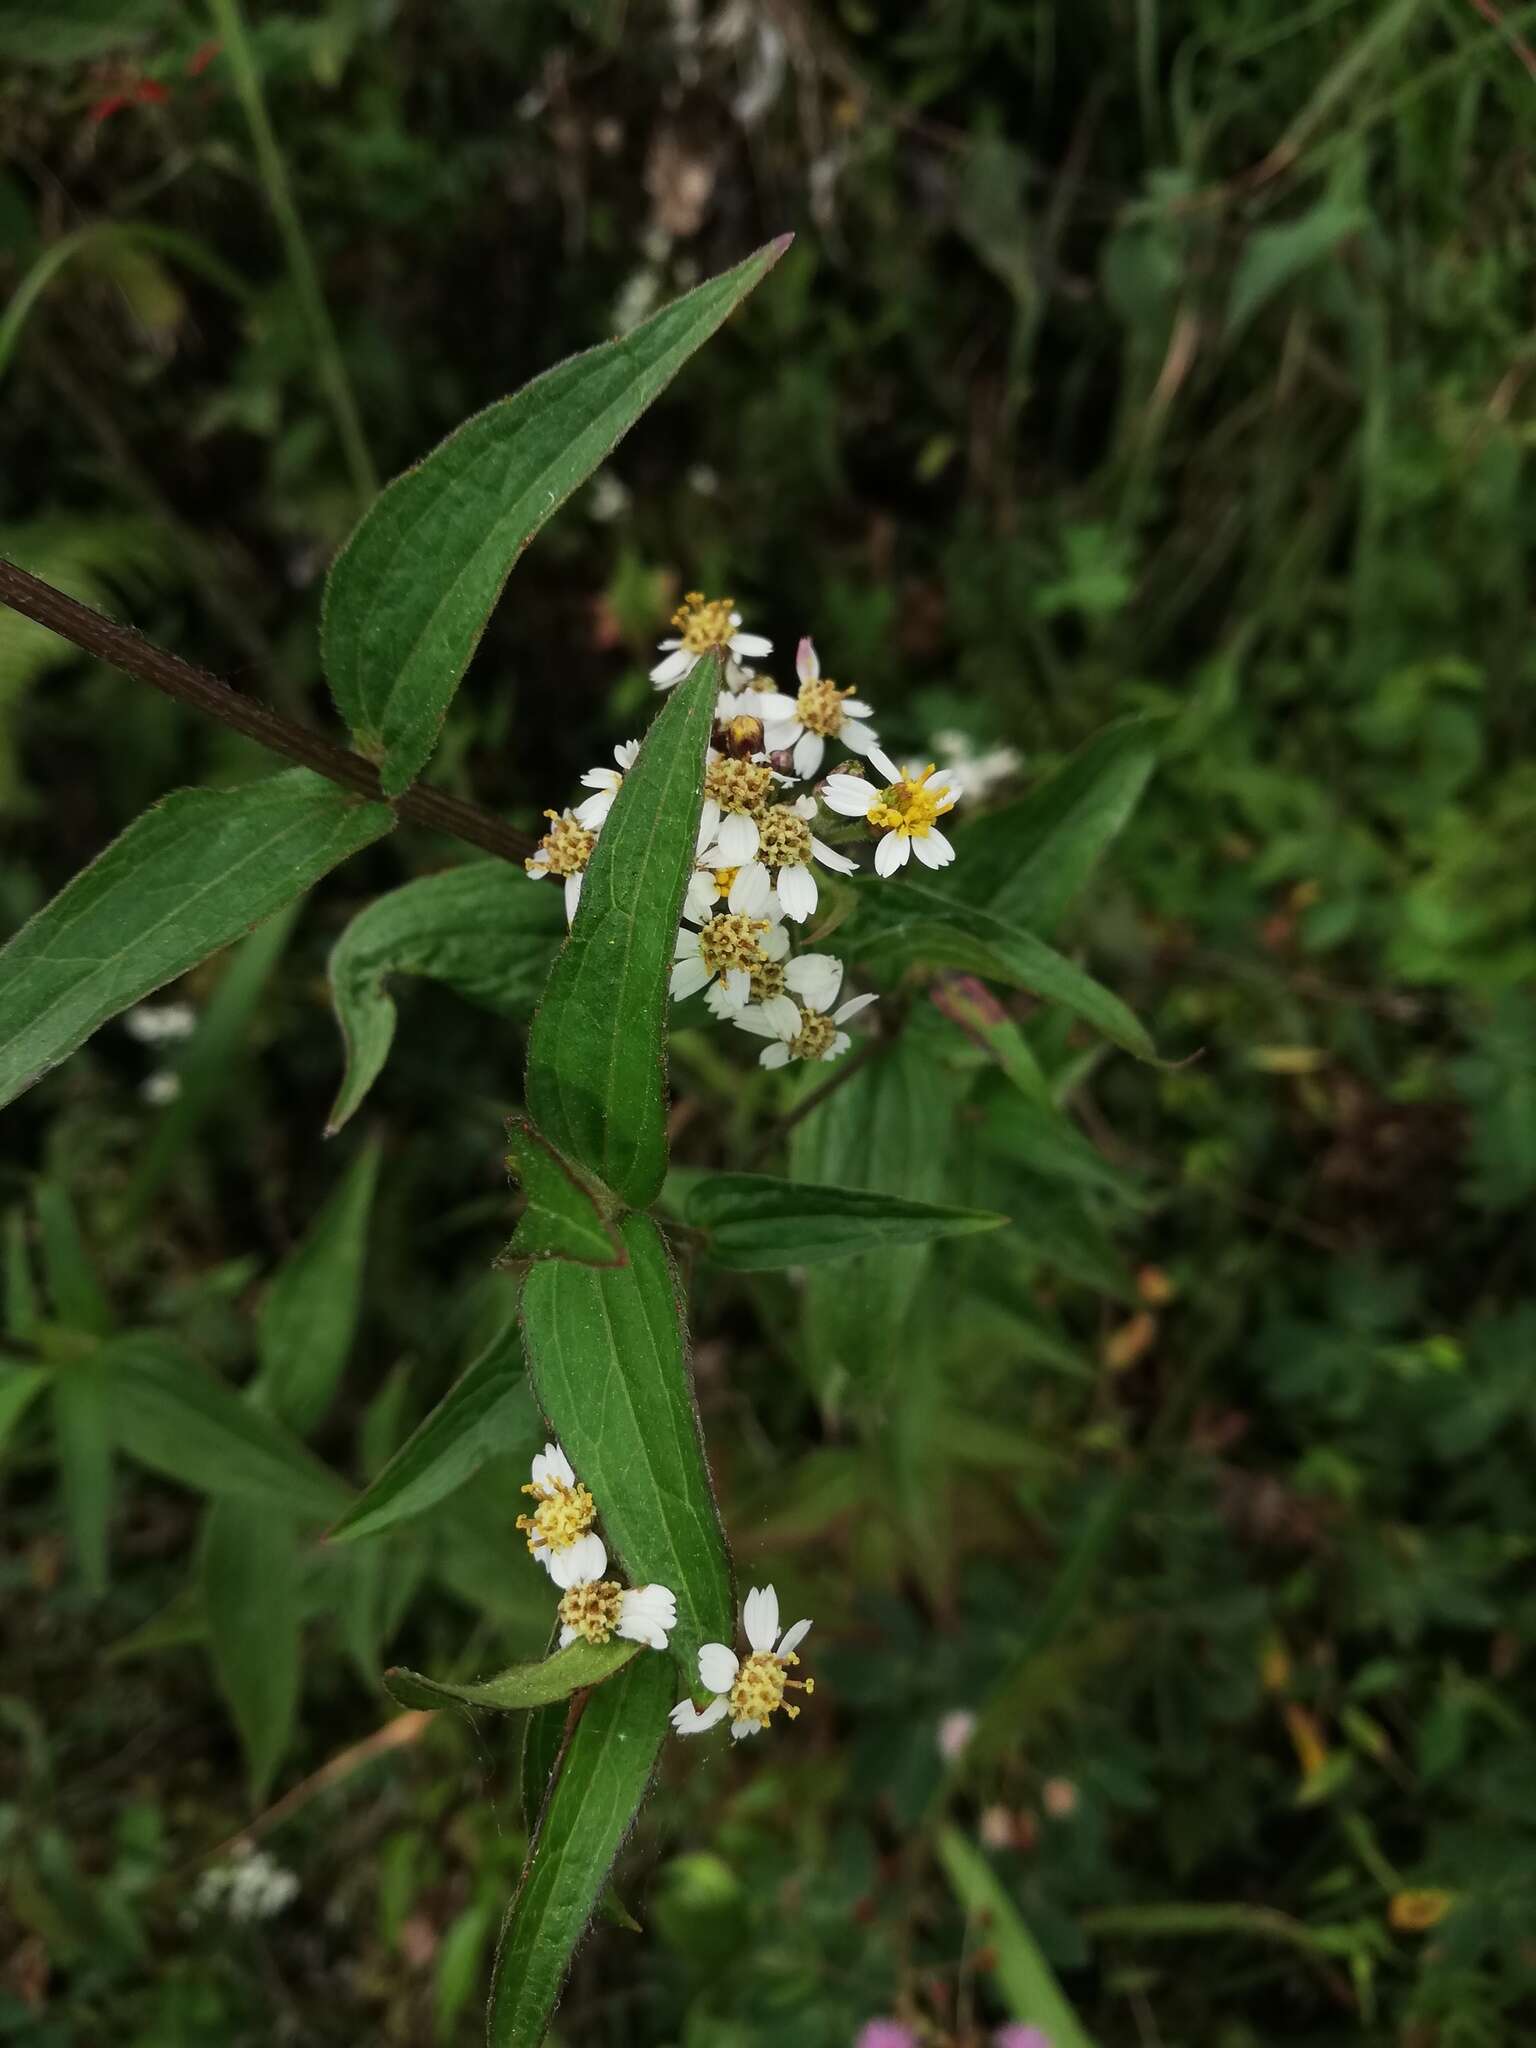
247	1888
560	1535
756	856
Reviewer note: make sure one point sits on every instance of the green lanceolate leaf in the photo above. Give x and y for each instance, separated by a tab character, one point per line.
409	595
565	1217
591	1807
194	872
484	928
755	1223
307	1322
524	1685
174	1417
596	1083
20	1386
909	922
481	1414
606	1358
1023	1976
252	1583
1028	860
82	1425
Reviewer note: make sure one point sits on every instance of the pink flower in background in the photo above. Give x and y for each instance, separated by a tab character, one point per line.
885	2034
1016	2036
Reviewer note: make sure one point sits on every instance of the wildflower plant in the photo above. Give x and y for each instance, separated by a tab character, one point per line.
757	859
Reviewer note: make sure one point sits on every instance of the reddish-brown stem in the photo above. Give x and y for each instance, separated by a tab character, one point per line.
123	648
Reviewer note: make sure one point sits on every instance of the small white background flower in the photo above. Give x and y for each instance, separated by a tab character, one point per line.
594	809
751	1689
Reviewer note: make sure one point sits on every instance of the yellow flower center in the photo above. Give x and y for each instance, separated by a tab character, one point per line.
724	877
592	1611
704	622
819	707
784	838
814	1038
563	1513
730	940
761	1684
908	807
565	848
767	979
741	786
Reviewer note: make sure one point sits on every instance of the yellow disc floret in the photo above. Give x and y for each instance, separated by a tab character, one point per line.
730	941
908	807
563	1513
783	838
592	1611
813	1041
819	707
743	787
761	1684
705	622
565	848
767	979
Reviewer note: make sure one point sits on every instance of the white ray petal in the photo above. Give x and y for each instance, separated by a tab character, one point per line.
738	839
750	646
849	795
671	669
839	863
718	1666
750	890
581	1563
794	1637
852	1008
892	853
797	893
817	977
741	1728
760	1617
774	1055
687	1719
688	977
807	668
809	751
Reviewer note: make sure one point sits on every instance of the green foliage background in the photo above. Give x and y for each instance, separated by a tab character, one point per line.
1166	360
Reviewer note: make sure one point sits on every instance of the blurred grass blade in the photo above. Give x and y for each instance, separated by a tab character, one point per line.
1023	1976
1273	257
251	1581
916	923
564	1218
482	1414
177	1419
20	1306
523	1685
206	1065
596	1055
73	1287
20	1386
756	1224
191	874
606	1359
307	1322
1028	860
482	928
590	1809
410	594
82	1423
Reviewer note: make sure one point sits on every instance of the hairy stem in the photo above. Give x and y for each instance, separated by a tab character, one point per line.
230	21
122	648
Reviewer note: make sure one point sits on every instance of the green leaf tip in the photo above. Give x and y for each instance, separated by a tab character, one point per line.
573	1669
566	1217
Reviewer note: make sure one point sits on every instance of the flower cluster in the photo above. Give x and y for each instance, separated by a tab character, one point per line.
758	850
750	1689
561	1536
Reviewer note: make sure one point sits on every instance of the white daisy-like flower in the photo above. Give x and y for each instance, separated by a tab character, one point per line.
905	813
564	850
750	1689
803	724
787	845
704	622
800	1023
730	946
606	781
596	1609
737	793
560	1532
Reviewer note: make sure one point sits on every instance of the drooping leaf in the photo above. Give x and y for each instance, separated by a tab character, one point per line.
591	1807
174	1417
908	922
566	1217
596	1084
1273	257
1040	1137
410	594
755	1223
889	1129
606	1361
971	1006
192	873
251	1578
483	1413
305	1329
523	1685
1029	859
206	1066
484	928
1023	1976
